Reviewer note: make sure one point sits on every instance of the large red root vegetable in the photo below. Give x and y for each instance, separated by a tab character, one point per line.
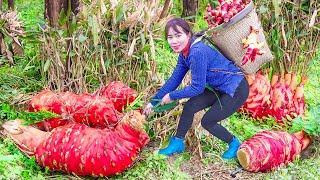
82	150
259	95
120	94
92	110
281	102
268	150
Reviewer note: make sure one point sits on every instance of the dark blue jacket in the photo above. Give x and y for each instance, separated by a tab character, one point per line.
207	66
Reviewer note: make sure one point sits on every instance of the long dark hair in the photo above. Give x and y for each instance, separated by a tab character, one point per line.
175	22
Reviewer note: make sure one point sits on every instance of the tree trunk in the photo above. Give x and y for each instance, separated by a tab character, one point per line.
54	7
11	4
165	9
75	7
190	8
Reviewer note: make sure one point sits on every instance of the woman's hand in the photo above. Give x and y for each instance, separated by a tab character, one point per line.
148	109
166	100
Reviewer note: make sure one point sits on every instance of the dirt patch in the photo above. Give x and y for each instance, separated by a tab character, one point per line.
311	150
218	170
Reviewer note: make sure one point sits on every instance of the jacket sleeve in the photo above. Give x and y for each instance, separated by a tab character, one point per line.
198	67
174	81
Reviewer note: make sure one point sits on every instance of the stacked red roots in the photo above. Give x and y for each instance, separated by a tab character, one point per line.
78	149
268	150
120	94
92	136
224	12
279	100
92	110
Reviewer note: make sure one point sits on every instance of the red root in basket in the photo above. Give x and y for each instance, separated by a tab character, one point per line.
254	48
224	11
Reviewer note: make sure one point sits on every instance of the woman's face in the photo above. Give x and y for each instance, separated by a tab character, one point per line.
177	40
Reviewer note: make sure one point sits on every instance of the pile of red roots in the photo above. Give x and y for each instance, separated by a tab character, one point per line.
92	136
279	97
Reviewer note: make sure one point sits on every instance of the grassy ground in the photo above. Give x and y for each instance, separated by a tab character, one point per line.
25	78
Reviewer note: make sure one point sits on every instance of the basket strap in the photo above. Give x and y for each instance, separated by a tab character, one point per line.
207	41
197	40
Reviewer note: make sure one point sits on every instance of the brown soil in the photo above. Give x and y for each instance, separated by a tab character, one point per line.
195	168
311	150
217	170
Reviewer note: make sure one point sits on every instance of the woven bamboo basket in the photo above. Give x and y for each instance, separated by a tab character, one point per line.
228	39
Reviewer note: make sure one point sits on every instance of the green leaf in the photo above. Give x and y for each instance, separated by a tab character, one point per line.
166	107
7	158
143	39
146	48
47	65
303	34
120	11
186	156
73	25
276	6
289	34
94	30
263	9
82	38
60	32
63	18
121	63
72	53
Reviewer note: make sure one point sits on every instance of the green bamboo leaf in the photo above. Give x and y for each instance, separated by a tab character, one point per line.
73	25
143	39
263	9
166	107
303	34
276	6
82	38
72	53
120	11
47	65
35	41
8	158
95	31
121	63
289	34
146	48
63	18
107	63
60	32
